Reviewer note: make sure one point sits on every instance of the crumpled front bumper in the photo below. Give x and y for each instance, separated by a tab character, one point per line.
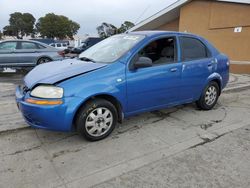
51	117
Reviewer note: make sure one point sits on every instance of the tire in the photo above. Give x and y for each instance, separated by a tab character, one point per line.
209	96
96	120
43	60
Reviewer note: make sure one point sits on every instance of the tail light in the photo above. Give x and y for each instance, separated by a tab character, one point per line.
61	53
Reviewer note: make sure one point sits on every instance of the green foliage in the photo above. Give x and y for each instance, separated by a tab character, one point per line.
106	30
52	25
125	27
20	25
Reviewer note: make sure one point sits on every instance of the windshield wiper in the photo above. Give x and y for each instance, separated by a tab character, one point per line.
87	59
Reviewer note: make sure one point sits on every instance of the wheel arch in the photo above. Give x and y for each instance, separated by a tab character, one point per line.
215	77
107	97
44	56
218	82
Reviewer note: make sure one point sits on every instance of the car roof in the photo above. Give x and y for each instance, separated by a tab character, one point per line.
151	33
21	40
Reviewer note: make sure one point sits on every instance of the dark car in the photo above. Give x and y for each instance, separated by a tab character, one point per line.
84	46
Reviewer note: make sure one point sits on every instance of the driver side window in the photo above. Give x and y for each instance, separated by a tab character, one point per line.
161	51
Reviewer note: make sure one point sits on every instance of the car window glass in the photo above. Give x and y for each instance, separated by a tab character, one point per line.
41	46
192	49
8	46
53	45
64	45
58	45
28	45
112	48
161	51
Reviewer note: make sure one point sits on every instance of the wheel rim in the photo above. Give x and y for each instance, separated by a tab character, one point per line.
44	60
99	121
211	95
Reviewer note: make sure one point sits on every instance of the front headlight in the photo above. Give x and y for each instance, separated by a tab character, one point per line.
47	91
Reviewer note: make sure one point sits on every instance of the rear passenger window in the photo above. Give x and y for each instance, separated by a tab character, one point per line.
28	45
40	46
192	49
58	45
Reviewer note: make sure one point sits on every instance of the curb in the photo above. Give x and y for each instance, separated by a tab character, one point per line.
236	89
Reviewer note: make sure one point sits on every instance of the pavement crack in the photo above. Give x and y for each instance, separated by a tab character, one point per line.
63	152
205	126
206	140
25	150
11	131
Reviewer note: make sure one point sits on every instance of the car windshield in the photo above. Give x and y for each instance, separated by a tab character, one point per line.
111	49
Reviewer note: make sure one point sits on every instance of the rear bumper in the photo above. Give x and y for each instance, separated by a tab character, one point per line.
51	117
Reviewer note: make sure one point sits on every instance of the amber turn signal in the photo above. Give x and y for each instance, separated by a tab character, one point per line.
44	102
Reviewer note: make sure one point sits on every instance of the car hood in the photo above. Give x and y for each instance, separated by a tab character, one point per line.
50	73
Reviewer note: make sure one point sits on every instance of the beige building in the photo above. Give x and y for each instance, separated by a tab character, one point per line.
225	23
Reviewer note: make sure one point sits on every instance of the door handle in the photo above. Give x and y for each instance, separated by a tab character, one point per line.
213	61
173	69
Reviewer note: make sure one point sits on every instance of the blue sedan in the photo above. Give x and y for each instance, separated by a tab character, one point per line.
122	76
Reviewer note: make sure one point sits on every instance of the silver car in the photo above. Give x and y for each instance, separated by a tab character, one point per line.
26	53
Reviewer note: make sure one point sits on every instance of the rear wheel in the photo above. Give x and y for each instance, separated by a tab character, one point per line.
96	120
43	60
209	96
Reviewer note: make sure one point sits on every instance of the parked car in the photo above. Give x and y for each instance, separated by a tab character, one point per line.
61	46
26	53
84	45
122	76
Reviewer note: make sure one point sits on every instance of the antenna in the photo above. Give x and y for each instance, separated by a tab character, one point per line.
142	14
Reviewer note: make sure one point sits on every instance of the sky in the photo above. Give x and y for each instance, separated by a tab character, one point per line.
88	13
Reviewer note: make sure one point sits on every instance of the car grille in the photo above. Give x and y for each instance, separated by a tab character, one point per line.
24	89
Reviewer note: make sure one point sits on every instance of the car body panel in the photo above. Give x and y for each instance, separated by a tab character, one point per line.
136	91
52	72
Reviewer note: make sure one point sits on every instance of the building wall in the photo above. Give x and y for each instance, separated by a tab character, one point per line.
171	26
216	22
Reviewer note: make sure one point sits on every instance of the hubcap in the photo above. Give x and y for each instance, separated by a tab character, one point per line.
99	121
211	95
44	60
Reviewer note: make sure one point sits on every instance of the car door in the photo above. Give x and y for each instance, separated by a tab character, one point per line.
153	87
27	52
7	50
197	66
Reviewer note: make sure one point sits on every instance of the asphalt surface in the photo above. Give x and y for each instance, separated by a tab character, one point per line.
176	147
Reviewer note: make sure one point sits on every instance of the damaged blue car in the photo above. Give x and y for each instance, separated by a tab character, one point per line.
122	76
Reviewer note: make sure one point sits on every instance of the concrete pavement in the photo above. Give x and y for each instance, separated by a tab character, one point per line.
11	119
134	153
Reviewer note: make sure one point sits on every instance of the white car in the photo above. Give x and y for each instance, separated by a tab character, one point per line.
61	46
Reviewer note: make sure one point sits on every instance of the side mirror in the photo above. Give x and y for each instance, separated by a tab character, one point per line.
143	62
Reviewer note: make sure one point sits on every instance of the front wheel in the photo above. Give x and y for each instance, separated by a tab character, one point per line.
209	96
43	60
96	119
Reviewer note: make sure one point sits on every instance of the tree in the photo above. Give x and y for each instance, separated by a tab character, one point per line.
125	26
52	25
106	30
1	35
20	25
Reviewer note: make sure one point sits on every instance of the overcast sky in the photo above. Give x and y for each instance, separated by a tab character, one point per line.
88	13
